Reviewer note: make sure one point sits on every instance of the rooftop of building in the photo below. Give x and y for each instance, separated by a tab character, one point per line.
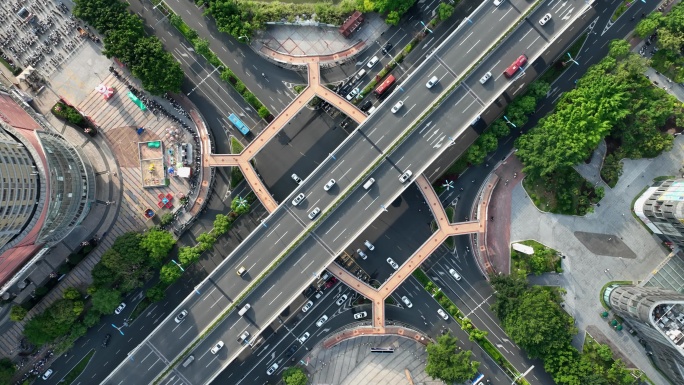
669	318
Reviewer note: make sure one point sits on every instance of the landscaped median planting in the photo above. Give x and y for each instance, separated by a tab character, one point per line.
201	46
475	334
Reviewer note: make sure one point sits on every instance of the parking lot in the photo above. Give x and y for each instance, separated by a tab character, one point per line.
41	34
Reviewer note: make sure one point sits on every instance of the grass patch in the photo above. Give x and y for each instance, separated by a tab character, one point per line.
563	192
637	196
603	289
544	259
235	146
142	305
298	88
622	8
663	177
78	369
236	176
450	242
15	71
558	67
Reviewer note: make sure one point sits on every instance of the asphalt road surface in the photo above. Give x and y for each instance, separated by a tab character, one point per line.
361	149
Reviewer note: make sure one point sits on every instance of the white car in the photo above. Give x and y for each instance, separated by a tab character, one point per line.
485	77
454	274
304	337
372	62
406	302
272	369
181	316
433	80
498	2
341	300
545	19
298	199
443	314
329	185
47	374
360	315
361	254
397	107
296	179
120	308
369	245
307	306
405	176
321	320
353	93
314	213
217	347
392	263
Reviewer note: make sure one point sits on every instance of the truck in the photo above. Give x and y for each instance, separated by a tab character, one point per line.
244	337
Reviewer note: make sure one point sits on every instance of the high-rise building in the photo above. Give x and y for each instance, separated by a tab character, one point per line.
657	315
46	188
661	208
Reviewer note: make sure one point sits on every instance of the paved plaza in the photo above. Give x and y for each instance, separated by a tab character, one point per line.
350	362
600	247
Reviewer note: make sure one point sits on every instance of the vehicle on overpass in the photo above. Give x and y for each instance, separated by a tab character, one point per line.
244	130
385	85
517	64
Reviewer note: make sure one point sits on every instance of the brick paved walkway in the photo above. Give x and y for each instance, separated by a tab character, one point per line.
498	236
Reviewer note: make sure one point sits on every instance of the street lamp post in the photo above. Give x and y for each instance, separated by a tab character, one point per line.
178	264
509	122
119	328
571	59
426	27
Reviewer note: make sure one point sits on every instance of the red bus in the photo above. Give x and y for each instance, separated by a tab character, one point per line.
517	64
387	83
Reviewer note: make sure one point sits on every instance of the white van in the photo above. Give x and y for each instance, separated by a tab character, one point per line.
360	74
188	361
244	310
368	183
371	110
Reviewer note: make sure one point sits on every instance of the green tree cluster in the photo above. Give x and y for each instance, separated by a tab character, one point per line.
126	40
670	28
56	321
7	370
447	362
534	319
17	313
294	375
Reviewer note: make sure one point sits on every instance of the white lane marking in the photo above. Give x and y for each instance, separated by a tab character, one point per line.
369	205
343	231
333	226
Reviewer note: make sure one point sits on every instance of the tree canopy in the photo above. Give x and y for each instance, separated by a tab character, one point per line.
294	375
126	40
445	361
158	244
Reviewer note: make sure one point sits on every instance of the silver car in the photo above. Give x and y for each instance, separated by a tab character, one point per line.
314	213
272	369
306	307
304	337
217	347
397	106
296	179
321	320
406	302
392	263
361	254
405	176
485	77
298	199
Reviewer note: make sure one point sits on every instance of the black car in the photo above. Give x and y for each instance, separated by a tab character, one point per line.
106	340
366	105
291	350
386	48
